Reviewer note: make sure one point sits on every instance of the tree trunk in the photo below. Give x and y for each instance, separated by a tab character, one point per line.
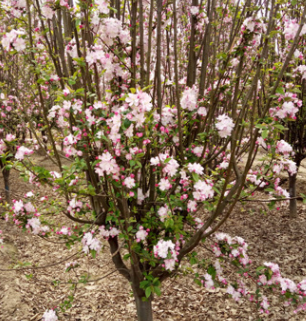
292	192
144	308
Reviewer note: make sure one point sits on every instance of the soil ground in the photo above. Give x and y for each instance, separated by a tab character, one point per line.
26	294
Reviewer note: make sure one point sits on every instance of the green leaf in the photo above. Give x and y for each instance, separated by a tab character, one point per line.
280	90
148	292
264	134
271	205
195	176
93	253
157	290
295	90
279	126
193	261
126	123
80	90
40	81
169	223
126	256
260	268
146	88
212	271
113	9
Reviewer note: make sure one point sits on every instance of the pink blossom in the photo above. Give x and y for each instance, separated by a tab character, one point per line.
10	137
202	191
198	222
273	266
171	167
102	6
35	224
283	147
169	264
235	294
47	11
192	206
164	184
107	165
129	182
202	111
18	206
163	213
196	168
29	207
194	10
90	243
225	125
50	315
141	234
162	248
22	151
189	99
287	284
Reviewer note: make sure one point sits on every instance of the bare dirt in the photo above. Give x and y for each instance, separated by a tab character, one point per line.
26	294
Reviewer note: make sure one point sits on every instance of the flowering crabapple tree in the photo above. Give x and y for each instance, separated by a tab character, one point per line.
162	108
295	136
12	125
293	91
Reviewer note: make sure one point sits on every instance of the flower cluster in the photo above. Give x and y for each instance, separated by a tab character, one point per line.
225	125
189	99
107	165
64	231
167	251
233	250
233	247
292	292
290	105
256	179
23	151
291	28
129	182
284	148
74	206
203	190
11	40
164	212
111	232
141	234
91	243
170	167
284	164
49	315
70	265
138	104
25	214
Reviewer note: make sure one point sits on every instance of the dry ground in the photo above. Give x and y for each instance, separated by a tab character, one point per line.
271	237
